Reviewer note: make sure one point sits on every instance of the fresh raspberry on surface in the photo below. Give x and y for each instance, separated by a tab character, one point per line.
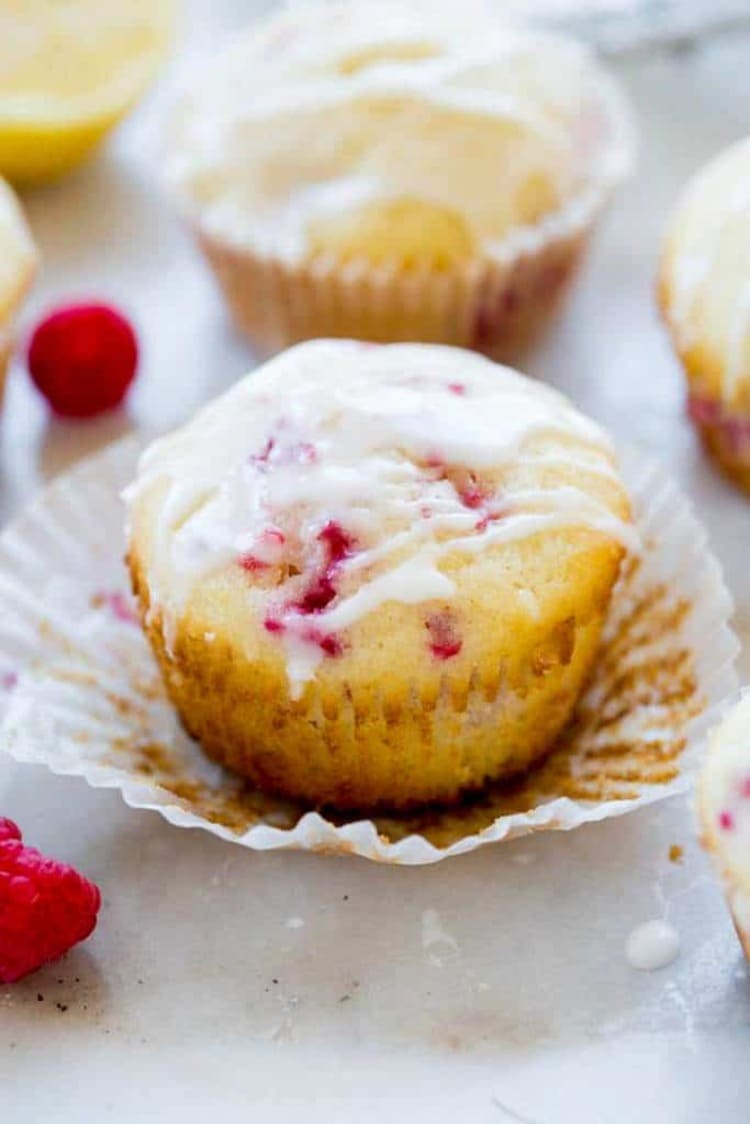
46	907
338	542
83	358
8	830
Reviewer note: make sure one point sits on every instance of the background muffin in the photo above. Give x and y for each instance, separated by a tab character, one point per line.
391	173
705	298
17	265
377	575
724	811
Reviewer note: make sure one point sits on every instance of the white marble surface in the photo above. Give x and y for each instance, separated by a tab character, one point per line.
289	988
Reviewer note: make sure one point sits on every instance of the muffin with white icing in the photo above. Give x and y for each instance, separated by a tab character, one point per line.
17	266
392	173
724	811
378	575
704	291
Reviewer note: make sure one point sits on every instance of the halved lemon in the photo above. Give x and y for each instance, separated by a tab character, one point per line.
69	70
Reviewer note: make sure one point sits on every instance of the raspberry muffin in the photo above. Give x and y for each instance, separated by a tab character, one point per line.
377	575
724	811
390	173
704	292
17	266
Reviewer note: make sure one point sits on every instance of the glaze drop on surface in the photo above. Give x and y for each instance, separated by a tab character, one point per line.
651	946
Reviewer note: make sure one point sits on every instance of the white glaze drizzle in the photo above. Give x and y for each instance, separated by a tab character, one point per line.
309	115
377	441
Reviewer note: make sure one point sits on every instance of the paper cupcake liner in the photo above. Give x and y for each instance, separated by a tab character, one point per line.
84	697
496	303
437	720
494	307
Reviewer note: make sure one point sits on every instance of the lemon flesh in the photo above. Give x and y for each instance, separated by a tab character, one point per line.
69	70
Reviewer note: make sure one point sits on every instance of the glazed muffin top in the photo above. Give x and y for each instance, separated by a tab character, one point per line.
389	131
704	281
17	254
344	479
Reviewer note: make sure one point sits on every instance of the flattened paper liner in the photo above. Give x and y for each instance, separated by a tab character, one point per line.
84	697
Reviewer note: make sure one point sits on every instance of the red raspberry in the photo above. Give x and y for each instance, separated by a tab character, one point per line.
8	830
83	358
45	907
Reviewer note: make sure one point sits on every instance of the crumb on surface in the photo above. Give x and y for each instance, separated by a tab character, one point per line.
676	853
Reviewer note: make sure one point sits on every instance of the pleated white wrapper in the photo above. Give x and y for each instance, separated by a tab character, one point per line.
81	693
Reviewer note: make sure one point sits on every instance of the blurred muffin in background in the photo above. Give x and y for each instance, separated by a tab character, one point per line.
18	258
724	811
704	292
392	172
377	576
